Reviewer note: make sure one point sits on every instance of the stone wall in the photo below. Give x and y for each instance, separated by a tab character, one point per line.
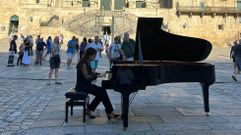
218	29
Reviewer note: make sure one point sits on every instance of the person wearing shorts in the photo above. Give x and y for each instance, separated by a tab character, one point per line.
54	60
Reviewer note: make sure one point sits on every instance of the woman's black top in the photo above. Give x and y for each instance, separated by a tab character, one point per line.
27	47
82	82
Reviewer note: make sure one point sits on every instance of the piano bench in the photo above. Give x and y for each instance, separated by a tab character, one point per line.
74	98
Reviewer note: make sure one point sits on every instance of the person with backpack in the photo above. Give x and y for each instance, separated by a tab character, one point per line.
40	50
12	51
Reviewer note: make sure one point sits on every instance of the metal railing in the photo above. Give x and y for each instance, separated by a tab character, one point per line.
198	9
51	19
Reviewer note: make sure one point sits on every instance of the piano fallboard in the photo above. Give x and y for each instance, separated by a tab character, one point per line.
166	72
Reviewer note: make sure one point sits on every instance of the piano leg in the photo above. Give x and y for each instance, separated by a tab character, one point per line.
125	108
205	90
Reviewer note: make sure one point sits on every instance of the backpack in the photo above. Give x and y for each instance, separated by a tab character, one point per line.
40	46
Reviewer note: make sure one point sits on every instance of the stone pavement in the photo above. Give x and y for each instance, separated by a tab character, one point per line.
29	107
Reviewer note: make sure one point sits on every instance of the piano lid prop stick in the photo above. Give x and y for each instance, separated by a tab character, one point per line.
140	56
132	97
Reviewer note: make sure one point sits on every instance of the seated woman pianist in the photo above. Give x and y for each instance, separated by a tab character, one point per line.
84	78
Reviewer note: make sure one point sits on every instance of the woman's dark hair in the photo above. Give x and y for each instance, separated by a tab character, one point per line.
88	53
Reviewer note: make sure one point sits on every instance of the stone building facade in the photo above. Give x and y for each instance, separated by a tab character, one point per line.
215	20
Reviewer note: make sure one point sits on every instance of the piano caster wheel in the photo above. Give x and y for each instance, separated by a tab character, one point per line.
208	114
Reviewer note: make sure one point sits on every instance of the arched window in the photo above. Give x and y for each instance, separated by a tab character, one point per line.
13	25
14	18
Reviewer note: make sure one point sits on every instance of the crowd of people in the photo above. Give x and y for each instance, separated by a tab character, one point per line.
89	52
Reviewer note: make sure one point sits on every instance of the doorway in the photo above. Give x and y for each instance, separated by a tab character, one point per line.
106	30
13	25
106	37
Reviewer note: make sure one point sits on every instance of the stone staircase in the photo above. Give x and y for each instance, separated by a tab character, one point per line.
90	23
82	24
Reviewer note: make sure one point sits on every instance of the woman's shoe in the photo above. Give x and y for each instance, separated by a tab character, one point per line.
88	113
58	83
112	116
234	78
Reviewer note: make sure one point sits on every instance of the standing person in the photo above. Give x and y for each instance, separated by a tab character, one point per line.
20	53
26	55
48	47
36	51
83	45
84	78
128	47
98	47
12	51
40	51
77	44
237	57
70	51
232	54
30	39
54	60
61	39
116	52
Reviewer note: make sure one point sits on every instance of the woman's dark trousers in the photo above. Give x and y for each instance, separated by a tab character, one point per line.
100	96
20	58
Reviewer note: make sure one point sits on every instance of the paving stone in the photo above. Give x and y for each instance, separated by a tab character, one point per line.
12	128
179	126
45	131
73	129
29	106
222	126
47	123
100	128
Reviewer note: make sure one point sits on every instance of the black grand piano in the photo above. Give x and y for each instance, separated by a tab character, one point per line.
161	57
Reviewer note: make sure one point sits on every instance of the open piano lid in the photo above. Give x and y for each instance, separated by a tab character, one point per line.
153	43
